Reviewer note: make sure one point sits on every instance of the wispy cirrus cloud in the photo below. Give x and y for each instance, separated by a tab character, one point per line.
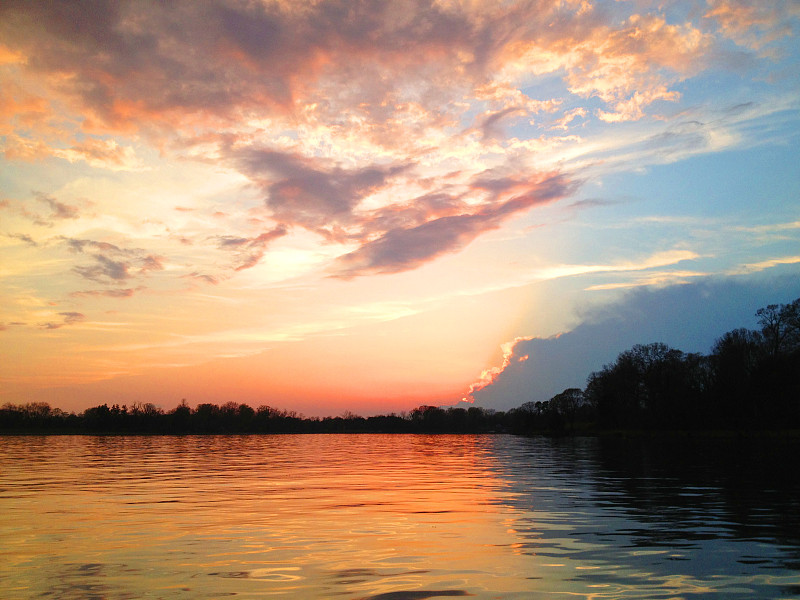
113	293
58	211
23	237
765	264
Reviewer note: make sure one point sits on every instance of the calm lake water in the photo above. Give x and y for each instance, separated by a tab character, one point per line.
395	517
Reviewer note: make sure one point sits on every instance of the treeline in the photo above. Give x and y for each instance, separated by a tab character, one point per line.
241	419
750	380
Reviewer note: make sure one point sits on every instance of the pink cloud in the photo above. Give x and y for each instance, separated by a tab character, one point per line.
154	68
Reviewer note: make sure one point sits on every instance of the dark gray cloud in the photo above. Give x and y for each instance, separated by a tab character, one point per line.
689	317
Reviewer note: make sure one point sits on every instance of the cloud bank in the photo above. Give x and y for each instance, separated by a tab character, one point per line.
368	123
688	317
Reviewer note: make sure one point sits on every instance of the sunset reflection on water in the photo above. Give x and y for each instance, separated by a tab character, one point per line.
381	517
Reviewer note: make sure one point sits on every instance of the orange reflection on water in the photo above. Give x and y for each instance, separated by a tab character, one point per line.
303	516
385	517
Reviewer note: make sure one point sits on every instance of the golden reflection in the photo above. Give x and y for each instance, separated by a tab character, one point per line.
360	517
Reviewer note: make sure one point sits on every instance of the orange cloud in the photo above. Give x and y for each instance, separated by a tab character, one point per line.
488	376
754	24
139	67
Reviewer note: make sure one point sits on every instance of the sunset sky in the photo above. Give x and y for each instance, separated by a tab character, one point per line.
368	206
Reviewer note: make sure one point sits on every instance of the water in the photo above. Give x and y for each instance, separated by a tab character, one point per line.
397	517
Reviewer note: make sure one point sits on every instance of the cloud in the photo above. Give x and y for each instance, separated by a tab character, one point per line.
5	326
379	125
23	237
659	259
328	199
101	153
766	264
152	262
112	263
688	317
365	66
490	127
69	318
203	277
306	193
402	249
489	375
117	293
80	245
105	269
755	24
249	251
59	209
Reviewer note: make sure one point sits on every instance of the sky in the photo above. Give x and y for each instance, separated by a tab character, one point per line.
340	205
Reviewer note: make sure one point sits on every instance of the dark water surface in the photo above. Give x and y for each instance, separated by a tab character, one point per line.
397	517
